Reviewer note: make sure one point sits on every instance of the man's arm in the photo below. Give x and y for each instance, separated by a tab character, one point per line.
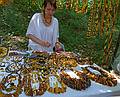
38	41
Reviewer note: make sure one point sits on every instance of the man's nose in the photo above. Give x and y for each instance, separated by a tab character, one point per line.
51	12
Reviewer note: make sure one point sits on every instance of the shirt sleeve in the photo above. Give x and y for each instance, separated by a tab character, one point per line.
32	27
57	29
56	32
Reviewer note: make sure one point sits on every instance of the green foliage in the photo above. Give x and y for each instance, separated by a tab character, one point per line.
15	17
72	27
11	21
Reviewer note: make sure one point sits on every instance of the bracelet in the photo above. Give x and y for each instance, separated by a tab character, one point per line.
80	83
3	52
56	88
29	91
12	87
103	77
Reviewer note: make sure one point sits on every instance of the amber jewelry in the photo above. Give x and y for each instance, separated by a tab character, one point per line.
39	57
12	87
102	76
29	91
3	52
42	54
83	78
67	58
15	62
57	87
67	54
61	61
84	6
41	70
13	67
83	61
45	22
33	75
68	61
16	58
75	83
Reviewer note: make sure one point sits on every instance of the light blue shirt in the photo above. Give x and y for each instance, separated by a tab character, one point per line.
38	29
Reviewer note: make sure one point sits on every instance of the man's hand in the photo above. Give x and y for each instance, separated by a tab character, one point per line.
46	44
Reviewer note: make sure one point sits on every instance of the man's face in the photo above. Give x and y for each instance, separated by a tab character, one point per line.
49	10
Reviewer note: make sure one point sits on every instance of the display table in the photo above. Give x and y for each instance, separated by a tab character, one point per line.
95	90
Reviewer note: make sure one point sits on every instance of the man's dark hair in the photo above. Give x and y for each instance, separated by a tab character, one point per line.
52	2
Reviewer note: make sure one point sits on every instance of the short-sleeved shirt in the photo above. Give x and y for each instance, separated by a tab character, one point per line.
40	30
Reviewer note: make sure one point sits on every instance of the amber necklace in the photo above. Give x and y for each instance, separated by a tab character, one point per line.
45	21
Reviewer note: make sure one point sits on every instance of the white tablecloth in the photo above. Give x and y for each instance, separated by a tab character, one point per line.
95	90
